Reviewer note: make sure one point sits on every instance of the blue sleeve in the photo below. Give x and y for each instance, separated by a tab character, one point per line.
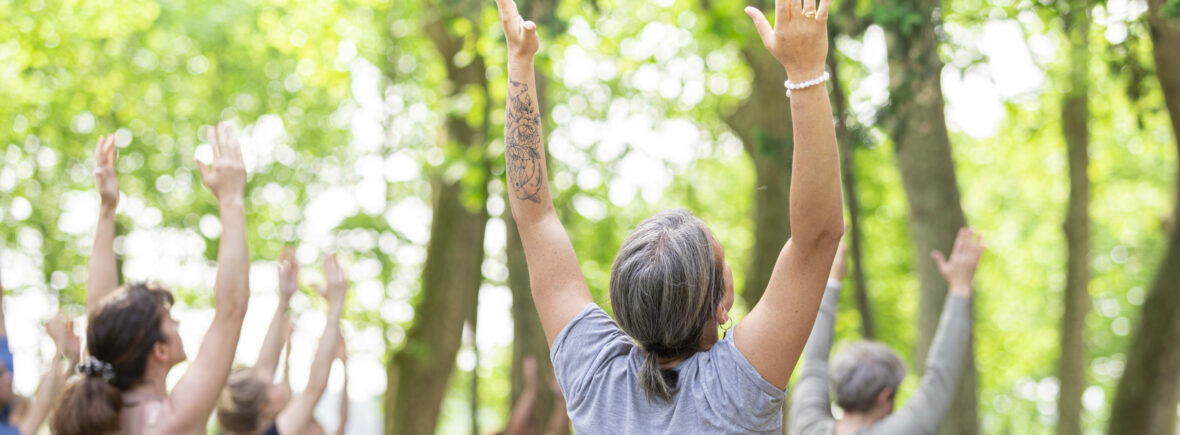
585	345
6	355
734	384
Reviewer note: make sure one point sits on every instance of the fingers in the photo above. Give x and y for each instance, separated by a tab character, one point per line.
808	5
204	169
939	259
215	141
821	13
111	150
507	9
793	11
762	25
100	153
529	27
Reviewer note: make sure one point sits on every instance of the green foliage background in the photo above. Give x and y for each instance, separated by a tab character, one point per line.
158	71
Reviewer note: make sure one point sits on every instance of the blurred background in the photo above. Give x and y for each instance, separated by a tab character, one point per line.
374	129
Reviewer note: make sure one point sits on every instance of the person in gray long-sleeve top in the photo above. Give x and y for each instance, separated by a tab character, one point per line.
866	375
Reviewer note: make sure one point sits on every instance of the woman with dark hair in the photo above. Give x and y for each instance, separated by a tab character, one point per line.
132	338
865	376
663	368
248	404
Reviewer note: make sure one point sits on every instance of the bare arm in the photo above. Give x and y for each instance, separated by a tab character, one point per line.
54	380
772	336
522	410
342	355
295	417
272	345
102	272
559	419
194	396
559	289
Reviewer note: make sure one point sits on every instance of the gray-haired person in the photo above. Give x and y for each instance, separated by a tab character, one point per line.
866	375
663	368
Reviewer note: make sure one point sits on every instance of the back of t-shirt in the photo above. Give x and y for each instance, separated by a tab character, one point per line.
718	391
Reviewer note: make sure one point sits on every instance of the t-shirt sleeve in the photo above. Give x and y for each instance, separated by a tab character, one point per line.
739	391
583	347
6	354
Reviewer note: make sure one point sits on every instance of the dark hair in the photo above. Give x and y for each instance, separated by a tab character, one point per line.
122	334
664	285
241	402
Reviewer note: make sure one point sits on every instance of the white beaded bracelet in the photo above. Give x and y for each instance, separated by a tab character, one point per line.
807	84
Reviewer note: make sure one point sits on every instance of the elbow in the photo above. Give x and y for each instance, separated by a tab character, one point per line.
825	236
233	309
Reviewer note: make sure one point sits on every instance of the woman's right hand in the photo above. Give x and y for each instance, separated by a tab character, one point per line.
959	270
104	171
520	34
799	38
335	282
288	273
226	175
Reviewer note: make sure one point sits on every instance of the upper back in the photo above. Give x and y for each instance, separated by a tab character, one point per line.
718	391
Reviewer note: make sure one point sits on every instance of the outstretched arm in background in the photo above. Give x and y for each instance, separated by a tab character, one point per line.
522	411
193	398
342	355
295	417
61	330
559	419
772	336
102	272
276	334
559	289
925	409
811	406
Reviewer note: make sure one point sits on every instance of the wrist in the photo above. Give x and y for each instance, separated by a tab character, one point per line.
963	290
799	75
107	209
230	201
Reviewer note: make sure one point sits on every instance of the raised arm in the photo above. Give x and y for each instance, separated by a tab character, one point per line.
295	417
522	411
194	396
102	272
61	330
342	355
272	345
925	409
559	289
772	336
811	405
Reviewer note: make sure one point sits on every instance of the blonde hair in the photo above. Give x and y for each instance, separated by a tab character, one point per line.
664	285
241	402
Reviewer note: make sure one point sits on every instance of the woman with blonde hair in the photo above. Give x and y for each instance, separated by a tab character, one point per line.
663	368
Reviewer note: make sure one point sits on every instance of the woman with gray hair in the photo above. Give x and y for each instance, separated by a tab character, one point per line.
866	375
663	368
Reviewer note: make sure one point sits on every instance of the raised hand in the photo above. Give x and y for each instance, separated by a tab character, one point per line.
288	273
520	34
104	171
61	330
799	38
226	174
335	282
959	270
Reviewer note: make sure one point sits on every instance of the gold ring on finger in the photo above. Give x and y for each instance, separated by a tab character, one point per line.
809	14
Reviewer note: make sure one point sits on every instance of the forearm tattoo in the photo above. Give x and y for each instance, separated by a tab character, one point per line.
522	144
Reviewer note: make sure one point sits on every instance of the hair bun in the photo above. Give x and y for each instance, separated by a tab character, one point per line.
94	367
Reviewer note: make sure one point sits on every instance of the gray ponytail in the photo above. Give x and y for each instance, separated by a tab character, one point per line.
665	283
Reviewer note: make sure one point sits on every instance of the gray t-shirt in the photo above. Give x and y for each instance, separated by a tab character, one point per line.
718	391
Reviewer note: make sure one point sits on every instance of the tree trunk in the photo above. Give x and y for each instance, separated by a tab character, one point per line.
452	274
1146	399
763	122
848	138
1075	128
916	124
